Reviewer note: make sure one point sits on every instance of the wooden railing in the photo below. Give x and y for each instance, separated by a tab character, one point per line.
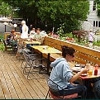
83	54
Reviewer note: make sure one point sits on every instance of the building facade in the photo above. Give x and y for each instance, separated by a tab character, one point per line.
93	21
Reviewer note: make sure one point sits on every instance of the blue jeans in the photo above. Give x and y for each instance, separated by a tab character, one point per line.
96	89
93	91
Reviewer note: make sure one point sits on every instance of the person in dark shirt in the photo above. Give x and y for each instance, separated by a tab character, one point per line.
11	39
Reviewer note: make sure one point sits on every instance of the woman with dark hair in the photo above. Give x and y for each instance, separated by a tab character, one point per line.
62	75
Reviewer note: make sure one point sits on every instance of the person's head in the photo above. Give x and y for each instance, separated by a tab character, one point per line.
33	29
12	31
38	31
23	22
68	53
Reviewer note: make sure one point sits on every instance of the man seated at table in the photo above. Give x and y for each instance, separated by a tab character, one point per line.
62	75
11	39
39	36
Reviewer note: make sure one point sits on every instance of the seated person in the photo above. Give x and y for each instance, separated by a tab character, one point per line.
54	35
44	33
11	39
39	36
32	33
62	75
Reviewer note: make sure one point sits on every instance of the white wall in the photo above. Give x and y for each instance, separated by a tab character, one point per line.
93	17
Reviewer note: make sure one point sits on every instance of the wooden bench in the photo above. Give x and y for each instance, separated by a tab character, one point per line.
83	54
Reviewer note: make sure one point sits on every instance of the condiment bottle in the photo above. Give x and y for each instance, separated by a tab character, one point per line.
96	69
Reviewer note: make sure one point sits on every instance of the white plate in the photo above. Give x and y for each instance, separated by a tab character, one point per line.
45	47
83	75
77	65
77	69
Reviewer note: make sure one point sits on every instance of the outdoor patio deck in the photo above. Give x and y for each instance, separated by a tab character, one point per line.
14	85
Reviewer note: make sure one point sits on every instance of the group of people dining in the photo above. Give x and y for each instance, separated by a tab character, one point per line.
17	40
35	34
61	73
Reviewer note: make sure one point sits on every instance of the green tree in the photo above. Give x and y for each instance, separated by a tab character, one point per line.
5	9
98	7
26	9
53	12
68	12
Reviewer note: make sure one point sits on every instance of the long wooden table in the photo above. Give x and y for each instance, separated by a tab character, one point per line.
47	50
32	42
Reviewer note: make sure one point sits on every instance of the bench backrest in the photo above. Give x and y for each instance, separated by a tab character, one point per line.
83	54
56	43
6	35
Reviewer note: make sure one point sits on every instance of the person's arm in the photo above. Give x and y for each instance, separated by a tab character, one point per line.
76	76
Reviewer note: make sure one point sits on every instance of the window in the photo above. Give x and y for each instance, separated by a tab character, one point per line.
94	5
99	23
94	23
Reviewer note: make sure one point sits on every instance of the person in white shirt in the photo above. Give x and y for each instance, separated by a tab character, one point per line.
25	29
32	33
44	33
39	36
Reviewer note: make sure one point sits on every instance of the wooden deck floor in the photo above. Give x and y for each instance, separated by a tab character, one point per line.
14	84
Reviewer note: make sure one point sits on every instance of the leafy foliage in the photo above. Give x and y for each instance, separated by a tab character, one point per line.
61	11
5	8
1	44
98	7
52	13
97	43
60	30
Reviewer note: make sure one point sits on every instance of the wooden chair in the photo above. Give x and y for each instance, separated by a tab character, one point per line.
6	34
52	93
7	47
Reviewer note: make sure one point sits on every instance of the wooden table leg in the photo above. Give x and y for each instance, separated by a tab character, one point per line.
48	63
